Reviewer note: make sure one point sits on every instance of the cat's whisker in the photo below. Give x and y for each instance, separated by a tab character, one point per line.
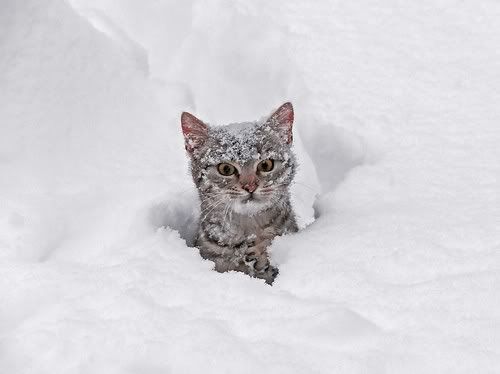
206	211
212	204
229	210
305	185
212	207
299	198
212	200
266	189
235	193
225	213
206	215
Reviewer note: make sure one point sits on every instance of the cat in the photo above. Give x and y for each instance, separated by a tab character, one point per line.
242	172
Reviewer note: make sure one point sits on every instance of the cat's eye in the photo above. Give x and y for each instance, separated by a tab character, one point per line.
226	169
266	165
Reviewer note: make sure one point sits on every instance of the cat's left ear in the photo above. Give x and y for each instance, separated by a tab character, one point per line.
194	130
282	121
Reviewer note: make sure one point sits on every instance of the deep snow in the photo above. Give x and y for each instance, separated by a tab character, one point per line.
396	131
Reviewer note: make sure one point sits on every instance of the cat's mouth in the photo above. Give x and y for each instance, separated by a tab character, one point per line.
252	198
248	198
249	204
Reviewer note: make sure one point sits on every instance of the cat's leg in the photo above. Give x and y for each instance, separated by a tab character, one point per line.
225	258
241	258
257	259
251	260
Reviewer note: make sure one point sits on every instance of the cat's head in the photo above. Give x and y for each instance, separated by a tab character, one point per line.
246	166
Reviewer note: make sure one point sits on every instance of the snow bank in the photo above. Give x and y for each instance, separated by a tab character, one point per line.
79	120
62	80
397	128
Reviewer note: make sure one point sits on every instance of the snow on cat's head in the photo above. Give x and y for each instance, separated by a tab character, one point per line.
246	167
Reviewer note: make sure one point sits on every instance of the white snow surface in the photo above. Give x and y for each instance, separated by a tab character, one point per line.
397	133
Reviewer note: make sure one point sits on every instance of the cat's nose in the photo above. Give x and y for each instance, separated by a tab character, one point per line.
250	187
249	182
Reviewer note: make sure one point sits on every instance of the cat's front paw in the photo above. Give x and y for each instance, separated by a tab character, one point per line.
250	258
256	261
259	266
269	274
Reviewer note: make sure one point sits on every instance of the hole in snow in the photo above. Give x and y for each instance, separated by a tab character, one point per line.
180	212
333	151
325	157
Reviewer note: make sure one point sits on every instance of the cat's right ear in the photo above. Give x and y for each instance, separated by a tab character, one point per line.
194	130
282	121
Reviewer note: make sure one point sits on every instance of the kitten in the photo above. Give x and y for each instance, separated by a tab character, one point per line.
242	172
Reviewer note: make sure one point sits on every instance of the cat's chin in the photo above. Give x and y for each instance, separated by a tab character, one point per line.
249	207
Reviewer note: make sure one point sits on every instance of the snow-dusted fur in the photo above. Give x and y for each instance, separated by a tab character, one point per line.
238	222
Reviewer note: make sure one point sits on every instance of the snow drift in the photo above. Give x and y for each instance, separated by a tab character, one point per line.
397	136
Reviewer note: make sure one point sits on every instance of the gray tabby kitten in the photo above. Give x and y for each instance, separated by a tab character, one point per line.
242	172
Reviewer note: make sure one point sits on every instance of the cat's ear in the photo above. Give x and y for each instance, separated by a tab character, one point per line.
282	121
194	130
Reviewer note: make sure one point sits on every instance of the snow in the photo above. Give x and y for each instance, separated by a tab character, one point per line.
396	132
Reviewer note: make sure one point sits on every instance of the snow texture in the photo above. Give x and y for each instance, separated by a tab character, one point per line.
397	137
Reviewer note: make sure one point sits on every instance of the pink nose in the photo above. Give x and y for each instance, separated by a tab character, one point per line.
249	182
250	187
